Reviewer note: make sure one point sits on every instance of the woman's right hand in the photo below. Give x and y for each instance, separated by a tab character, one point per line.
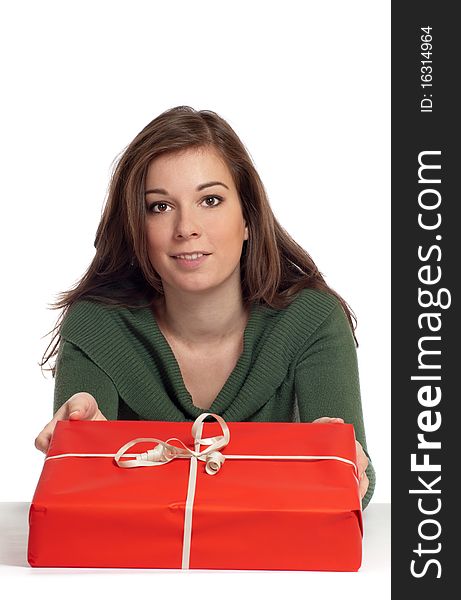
80	406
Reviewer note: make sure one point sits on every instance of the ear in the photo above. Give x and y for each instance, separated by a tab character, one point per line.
245	237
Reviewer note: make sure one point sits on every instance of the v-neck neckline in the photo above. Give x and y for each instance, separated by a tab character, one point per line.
223	397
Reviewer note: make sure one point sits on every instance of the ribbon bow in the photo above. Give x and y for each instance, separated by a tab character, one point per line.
164	452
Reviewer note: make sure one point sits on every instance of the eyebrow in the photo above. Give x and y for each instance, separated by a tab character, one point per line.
199	188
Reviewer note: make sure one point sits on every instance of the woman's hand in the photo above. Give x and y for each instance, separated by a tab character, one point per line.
80	406
362	459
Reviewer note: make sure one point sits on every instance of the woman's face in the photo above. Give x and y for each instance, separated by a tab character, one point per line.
193	207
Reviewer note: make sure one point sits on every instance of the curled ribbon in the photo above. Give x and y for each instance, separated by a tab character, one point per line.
165	452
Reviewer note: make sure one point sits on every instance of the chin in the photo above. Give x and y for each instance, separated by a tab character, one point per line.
198	287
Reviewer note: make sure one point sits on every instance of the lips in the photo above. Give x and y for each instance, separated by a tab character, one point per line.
191	255
192	261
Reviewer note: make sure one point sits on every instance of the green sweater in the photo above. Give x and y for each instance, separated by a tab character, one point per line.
298	364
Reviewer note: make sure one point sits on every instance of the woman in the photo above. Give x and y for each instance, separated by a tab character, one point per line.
197	299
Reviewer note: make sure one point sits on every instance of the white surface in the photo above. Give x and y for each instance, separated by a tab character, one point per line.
305	84
374	577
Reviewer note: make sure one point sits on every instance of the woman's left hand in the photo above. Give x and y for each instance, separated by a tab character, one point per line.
362	459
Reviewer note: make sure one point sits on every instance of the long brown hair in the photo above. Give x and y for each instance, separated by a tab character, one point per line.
274	268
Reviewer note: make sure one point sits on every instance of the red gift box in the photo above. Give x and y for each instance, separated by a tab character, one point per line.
273	496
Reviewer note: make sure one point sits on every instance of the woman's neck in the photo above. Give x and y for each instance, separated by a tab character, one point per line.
201	319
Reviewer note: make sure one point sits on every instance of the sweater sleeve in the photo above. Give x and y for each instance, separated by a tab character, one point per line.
327	381
76	372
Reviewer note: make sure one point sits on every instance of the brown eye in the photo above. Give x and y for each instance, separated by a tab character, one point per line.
158	207
212	204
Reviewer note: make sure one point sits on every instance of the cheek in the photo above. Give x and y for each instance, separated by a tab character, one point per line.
230	230
155	241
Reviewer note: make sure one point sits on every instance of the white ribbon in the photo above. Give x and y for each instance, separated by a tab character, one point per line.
164	452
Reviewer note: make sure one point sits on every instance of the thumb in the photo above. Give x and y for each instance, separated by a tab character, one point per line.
81	406
329	420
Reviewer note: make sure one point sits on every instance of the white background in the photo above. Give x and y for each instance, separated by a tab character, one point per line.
306	86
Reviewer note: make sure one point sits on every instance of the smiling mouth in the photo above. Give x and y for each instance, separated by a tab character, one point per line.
193	256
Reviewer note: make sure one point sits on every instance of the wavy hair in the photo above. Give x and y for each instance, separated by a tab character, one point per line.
274	268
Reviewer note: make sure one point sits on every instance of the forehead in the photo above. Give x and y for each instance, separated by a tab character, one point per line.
187	168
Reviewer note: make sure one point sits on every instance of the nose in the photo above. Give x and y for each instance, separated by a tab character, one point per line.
185	226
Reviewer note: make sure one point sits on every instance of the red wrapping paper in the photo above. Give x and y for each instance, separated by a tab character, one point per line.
252	514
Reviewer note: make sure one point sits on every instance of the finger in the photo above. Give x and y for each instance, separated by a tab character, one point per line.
81	406
329	420
362	465
364	483
99	416
362	458
42	441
